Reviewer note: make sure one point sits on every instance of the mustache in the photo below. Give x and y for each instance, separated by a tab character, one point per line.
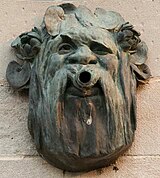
56	86
81	76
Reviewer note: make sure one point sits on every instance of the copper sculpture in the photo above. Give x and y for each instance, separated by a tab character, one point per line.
82	70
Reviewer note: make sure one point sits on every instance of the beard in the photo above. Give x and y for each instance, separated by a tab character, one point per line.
77	131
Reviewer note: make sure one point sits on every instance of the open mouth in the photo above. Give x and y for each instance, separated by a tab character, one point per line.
77	91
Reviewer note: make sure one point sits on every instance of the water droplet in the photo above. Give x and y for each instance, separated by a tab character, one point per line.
89	121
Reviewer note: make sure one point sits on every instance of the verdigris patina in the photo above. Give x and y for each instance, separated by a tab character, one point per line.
82	70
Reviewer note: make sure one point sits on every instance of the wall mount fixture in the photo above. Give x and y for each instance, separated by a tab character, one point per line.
82	70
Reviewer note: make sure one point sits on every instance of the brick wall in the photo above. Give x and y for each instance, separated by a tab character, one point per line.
18	157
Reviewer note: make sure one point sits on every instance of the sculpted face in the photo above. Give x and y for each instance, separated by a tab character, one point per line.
82	71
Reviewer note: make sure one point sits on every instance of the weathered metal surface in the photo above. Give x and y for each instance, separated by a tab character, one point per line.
82	70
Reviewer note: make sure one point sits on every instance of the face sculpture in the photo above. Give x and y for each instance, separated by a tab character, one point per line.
82	70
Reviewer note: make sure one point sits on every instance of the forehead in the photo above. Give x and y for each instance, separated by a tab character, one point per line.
85	34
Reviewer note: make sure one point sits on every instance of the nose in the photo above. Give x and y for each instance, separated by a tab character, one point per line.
83	55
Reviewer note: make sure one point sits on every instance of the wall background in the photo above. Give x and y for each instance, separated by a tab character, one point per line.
18	157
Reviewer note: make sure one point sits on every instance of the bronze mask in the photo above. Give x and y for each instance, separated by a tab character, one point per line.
82	70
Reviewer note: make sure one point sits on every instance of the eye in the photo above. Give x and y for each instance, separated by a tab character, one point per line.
100	49
65	48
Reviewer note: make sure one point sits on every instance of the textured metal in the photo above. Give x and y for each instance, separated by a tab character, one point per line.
82	70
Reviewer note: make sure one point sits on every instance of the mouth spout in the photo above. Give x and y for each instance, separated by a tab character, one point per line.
86	78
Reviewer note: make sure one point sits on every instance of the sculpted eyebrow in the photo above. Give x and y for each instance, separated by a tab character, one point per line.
100	48
66	38
95	46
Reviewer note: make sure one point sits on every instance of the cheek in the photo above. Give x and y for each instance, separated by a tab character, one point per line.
110	63
55	62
